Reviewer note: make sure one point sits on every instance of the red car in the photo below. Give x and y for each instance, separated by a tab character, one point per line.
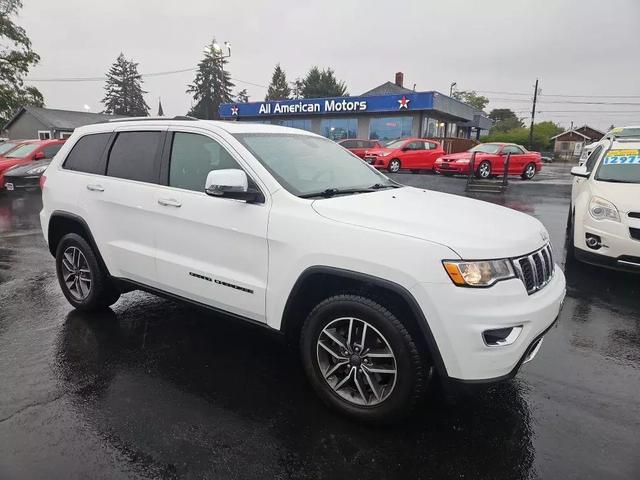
28	151
412	153
490	159
358	146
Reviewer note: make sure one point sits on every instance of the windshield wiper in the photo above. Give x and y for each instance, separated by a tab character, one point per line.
330	192
378	186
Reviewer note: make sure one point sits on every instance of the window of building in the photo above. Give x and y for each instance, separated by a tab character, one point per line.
390	128
302	124
339	128
430	127
193	156
64	135
134	156
86	154
565	146
44	134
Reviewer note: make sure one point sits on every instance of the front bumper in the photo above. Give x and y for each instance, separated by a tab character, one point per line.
11	184
377	162
451	167
458	317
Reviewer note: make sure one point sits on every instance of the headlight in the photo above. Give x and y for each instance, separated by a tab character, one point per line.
478	274
383	154
37	170
463	161
602	209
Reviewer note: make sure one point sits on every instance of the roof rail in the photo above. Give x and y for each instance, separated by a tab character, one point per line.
136	119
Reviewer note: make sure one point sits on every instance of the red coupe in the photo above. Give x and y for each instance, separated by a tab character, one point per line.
28	151
358	146
490	158
414	154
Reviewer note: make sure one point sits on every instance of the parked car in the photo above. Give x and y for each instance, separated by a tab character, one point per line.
359	146
490	159
27	152
25	177
415	154
604	217
7	146
284	228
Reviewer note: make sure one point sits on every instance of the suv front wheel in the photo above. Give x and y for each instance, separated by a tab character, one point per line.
361	360
83	281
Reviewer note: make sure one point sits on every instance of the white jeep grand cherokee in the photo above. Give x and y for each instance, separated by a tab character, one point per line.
381	285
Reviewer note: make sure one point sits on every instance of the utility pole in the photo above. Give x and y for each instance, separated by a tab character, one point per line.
453	84
533	115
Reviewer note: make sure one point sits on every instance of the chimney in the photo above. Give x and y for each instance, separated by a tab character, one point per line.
399	79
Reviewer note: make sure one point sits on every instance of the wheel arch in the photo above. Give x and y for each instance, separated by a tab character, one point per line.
62	223
319	282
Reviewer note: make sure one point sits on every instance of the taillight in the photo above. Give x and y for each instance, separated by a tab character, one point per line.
43	178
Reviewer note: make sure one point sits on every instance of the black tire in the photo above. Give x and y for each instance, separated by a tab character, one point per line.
100	292
570	240
412	369
484	169
394	165
529	171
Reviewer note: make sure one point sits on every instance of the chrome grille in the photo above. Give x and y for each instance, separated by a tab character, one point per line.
536	269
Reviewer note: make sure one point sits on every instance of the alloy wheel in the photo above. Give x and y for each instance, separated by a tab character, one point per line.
484	169
530	172
356	361
394	166
76	273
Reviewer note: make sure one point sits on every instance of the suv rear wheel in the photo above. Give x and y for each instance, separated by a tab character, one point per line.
361	360
84	283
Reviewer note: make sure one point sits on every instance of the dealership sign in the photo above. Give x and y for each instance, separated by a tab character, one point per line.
337	105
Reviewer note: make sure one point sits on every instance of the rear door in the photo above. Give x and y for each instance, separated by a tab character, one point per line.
209	249
431	154
121	205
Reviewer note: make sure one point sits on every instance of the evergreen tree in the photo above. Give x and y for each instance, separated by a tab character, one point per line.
16	58
296	88
124	94
278	88
322	83
160	110
212	85
242	96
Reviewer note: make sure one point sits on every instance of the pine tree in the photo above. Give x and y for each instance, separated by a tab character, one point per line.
296	88
124	94
242	96
16	58
278	88
160	110
322	83
211	86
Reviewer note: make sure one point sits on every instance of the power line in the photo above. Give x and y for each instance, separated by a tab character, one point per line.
561	95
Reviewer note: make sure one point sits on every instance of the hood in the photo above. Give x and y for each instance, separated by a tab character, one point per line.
25	167
472	228
625	196
9	162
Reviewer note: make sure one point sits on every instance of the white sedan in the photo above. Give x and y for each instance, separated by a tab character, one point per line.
604	221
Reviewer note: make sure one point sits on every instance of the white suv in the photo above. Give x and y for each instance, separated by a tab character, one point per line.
379	284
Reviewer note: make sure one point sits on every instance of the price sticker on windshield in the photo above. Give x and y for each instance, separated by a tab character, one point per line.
622	157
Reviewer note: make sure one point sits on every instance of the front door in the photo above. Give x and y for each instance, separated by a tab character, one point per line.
413	155
209	249
517	159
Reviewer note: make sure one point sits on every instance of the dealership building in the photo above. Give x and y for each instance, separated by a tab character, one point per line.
386	112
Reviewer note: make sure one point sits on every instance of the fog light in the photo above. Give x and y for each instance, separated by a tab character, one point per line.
593	241
500	337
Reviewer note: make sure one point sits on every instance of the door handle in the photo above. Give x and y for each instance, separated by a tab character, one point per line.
169	202
95	188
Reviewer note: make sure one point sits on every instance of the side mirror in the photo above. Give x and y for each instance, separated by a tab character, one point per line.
38	156
231	183
580	171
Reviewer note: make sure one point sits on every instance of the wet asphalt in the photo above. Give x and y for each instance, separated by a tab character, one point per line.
156	389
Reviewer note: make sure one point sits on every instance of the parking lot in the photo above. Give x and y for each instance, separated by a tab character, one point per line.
156	389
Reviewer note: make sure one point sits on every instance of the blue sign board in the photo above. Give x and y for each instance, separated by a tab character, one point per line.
335	105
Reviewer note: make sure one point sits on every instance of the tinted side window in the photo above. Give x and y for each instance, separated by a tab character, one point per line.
415	146
512	149
593	158
349	144
86	154
193	156
135	156
50	151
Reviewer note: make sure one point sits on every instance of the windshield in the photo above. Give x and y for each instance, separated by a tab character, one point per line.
306	165
23	150
396	144
626	132
486	148
5	147
620	166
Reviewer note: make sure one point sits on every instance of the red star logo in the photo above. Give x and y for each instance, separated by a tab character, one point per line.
404	102
234	110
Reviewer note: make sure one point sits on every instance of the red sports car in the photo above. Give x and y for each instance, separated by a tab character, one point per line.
358	146
490	158
26	152
412	153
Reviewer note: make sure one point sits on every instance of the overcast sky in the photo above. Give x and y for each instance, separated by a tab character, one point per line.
575	47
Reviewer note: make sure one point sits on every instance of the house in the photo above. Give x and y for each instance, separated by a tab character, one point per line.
570	143
45	123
